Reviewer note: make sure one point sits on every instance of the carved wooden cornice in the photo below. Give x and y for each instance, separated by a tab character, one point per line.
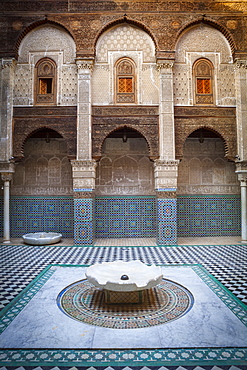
124	111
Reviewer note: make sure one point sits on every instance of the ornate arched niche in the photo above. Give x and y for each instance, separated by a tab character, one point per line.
45	168
204	168
125	167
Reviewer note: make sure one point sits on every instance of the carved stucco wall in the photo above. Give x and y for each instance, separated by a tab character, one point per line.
45	169
204	170
125	168
125	41
207	42
52	42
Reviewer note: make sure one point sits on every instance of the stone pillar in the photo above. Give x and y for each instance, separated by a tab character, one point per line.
83	168
241	110
83	186
6	177
7	69
84	139
242	177
165	174
166	111
166	168
241	117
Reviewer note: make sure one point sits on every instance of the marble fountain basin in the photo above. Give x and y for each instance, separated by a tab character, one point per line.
41	238
120	276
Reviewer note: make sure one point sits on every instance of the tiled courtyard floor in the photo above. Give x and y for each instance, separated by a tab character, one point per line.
225	259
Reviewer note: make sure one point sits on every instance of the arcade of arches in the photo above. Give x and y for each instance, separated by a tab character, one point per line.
128	140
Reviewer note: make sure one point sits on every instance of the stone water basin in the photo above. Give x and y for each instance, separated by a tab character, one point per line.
124	276
41	238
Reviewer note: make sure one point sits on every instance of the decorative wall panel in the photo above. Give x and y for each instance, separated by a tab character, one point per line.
204	215
34	214
125	217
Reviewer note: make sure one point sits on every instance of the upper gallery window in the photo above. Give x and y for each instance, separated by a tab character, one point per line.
125	81
45	85
203	77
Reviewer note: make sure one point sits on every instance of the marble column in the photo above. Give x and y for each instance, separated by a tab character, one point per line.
242	177
241	118
166	167
6	177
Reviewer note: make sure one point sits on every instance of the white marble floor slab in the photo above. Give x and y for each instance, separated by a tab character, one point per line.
41	324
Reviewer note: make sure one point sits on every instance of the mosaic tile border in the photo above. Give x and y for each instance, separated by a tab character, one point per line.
157	357
154	357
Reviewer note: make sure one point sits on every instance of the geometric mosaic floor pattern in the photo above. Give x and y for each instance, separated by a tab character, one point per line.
20	265
161	304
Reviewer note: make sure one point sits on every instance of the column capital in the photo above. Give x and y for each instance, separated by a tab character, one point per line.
6	176
8	63
163	65
240	64
84	64
241	171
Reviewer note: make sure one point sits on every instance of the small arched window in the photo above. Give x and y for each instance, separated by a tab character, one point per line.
203	77
45	84
125	81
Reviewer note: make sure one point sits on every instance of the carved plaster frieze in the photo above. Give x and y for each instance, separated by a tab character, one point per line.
165	164
83	165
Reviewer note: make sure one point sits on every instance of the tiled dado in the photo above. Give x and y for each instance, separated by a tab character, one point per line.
33	214
209	215
125	217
